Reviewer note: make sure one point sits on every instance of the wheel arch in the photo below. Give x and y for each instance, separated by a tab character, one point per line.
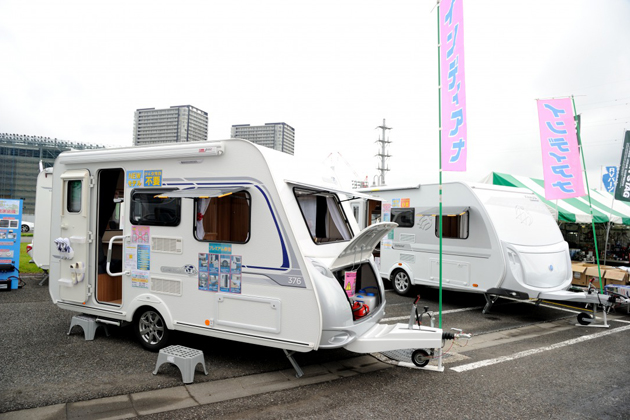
401	266
151	302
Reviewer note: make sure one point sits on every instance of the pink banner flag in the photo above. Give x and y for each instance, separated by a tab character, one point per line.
452	91
560	153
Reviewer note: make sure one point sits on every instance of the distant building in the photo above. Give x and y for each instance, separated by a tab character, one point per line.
279	136
177	124
19	164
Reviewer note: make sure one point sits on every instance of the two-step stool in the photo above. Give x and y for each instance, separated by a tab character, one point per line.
186	359
89	325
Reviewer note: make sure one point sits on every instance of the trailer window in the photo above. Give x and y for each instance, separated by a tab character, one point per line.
403	216
324	216
455	227
223	219
150	210
74	196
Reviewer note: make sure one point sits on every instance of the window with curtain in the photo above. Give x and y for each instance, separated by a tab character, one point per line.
455	227
324	217
225	218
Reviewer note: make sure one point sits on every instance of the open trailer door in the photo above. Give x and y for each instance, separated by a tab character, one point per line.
361	246
71	248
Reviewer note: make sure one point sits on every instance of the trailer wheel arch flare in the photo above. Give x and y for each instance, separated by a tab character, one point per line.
401	266
152	302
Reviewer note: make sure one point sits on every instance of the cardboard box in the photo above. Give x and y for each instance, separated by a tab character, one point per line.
579	274
592	274
615	277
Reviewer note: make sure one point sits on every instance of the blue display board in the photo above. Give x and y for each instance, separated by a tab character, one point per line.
10	235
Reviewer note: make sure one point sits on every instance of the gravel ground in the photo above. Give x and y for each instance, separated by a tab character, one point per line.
44	366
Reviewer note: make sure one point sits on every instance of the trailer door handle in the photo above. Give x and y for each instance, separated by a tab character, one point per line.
109	256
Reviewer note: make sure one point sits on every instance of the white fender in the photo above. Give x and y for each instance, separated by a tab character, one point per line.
405	267
154	302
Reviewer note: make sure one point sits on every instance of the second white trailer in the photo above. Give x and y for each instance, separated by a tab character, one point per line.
499	241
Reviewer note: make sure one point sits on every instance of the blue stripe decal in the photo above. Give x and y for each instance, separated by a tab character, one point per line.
285	255
264	268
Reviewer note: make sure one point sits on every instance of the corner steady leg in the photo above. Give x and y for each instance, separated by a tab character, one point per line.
490	299
298	370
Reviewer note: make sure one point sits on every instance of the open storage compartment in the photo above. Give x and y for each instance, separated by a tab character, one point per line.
364	287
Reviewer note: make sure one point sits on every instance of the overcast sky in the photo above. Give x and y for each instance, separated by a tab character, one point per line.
77	70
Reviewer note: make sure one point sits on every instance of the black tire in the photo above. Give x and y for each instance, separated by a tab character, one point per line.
401	282
420	357
25	228
585	318
150	329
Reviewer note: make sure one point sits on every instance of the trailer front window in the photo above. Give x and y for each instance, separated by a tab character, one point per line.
323	215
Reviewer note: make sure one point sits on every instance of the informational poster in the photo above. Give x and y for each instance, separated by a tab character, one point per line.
220	272
387	216
140	235
140	279
153	178
350	283
140	248
134	179
405	202
131	257
144	257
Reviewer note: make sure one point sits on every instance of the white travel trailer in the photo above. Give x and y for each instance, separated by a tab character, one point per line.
41	236
499	241
225	239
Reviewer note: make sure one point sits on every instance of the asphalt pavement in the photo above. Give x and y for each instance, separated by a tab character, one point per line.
523	362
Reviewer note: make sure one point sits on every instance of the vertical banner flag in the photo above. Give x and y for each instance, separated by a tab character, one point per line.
452	91
560	153
623	181
609	179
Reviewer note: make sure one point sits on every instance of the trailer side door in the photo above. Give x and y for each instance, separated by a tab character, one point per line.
72	246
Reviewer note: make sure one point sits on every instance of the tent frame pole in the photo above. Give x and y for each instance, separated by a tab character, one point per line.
588	190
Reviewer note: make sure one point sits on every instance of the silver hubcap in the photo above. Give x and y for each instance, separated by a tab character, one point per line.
401	281
151	327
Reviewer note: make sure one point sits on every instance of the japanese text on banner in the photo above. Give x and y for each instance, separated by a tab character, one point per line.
453	91
560	152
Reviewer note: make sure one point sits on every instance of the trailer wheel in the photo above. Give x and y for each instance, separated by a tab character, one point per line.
584	318
420	357
401	282
150	329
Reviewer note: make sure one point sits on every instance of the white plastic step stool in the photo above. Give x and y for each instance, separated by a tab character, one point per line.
186	359
89	325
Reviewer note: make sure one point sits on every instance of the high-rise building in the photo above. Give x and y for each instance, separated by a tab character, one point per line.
177	124
20	159
279	136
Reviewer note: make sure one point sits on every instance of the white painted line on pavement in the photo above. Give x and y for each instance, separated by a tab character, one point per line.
489	362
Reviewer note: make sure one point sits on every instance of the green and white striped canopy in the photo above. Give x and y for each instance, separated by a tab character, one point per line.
570	210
